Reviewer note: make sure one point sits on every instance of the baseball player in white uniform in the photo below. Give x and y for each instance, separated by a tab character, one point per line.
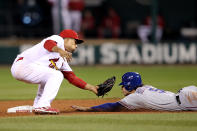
39	64
139	96
60	14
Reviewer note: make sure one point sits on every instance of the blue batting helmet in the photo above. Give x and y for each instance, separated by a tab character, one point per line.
131	80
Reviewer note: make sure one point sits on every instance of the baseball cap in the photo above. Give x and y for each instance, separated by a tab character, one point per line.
68	33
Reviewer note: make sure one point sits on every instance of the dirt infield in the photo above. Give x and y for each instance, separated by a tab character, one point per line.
64	106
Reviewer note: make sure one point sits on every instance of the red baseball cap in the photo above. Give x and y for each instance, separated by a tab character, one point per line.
71	34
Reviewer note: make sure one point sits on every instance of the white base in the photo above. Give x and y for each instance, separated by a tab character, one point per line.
20	109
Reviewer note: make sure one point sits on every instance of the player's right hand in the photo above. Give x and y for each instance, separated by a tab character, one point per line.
81	108
91	88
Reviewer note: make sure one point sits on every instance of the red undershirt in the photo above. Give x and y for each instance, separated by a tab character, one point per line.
73	79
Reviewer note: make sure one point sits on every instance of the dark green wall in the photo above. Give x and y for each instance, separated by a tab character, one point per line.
175	12
8	54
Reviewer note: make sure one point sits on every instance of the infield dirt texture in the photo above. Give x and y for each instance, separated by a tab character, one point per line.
65	107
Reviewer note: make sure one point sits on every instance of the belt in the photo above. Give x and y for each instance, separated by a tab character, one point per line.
178	99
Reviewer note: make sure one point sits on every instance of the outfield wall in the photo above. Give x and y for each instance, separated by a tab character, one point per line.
113	53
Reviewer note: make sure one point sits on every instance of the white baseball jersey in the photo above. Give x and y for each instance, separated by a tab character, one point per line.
35	67
149	97
39	55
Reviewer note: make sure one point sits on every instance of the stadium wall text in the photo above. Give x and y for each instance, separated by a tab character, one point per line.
110	53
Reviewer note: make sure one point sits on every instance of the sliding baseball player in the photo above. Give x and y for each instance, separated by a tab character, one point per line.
139	96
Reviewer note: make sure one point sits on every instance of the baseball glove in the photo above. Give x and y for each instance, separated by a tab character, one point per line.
106	86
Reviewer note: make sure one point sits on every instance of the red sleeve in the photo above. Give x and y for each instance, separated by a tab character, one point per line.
49	44
73	79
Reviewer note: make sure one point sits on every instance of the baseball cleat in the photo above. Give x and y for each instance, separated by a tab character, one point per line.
46	110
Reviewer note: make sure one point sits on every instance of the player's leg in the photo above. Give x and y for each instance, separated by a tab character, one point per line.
188	97
192	88
66	20
159	33
36	74
76	20
51	88
50	78
56	22
39	94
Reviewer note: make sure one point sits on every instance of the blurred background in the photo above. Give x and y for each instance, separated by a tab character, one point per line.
137	22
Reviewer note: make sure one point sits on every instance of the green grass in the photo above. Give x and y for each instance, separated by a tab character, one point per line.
169	78
164	77
110	122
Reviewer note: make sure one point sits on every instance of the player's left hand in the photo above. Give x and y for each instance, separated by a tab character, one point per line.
66	55
106	86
